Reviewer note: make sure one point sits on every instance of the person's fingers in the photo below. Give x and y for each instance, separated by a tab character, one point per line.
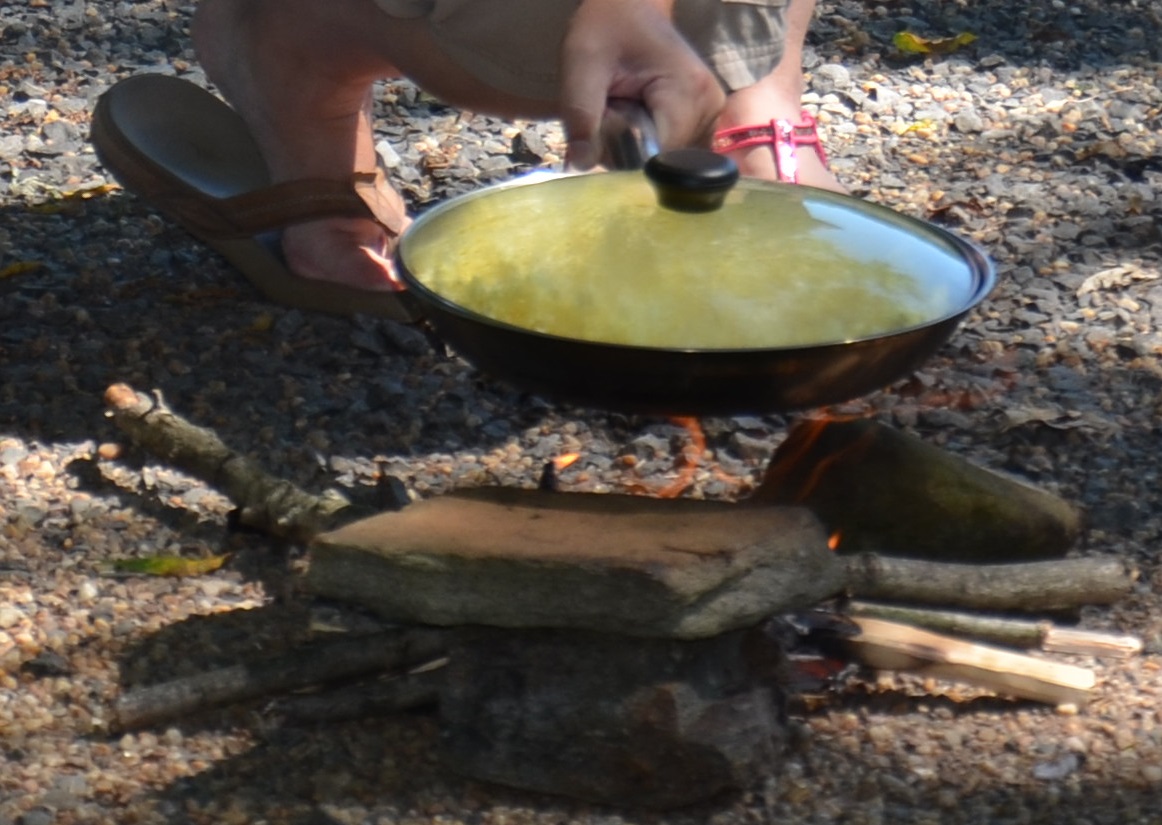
585	81
616	48
685	114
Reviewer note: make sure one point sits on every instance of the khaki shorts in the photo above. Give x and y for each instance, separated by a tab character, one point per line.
514	46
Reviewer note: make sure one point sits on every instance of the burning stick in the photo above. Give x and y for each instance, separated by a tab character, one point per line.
881	491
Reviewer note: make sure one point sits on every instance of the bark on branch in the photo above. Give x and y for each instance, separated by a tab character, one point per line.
1048	586
265	502
345	658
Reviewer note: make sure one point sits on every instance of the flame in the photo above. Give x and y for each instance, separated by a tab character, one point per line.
834	540
794	452
687	464
563	461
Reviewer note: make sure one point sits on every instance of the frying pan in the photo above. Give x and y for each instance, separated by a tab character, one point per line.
675	378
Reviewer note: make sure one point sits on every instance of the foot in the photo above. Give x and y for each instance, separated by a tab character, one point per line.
310	119
760	105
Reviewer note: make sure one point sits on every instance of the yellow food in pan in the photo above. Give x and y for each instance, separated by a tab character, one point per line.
609	265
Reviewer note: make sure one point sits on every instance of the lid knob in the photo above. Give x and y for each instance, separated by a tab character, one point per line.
691	180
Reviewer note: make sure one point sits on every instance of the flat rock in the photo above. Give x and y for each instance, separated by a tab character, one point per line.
625	564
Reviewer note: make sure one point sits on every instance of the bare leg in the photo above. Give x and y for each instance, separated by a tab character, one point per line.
300	72
778	95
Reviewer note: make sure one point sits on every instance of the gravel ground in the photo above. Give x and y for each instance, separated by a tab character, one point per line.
1040	141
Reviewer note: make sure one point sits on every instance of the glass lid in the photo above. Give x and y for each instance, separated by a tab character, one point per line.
595	257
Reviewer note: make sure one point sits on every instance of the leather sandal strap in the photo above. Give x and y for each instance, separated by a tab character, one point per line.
274	207
363	195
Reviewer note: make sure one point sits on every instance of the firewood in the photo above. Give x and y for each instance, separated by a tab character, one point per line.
879	490
892	646
1089	642
365	699
1003	630
265	502
1039	587
334	660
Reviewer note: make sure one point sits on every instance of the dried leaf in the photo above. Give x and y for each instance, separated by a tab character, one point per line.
1116	277
91	192
20	268
925	126
911	43
1103	148
164	566
1058	419
65	200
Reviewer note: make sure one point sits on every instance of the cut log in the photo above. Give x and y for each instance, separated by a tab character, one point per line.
891	646
1030	587
881	491
675	568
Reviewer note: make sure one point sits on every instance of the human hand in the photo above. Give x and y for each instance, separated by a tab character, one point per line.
630	49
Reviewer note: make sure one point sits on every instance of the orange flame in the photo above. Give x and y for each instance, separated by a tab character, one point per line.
563	461
794	452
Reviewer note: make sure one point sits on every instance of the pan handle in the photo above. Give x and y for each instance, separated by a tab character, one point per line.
628	135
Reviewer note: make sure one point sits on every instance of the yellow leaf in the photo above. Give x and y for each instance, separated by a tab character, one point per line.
925	125
91	192
911	43
67	200
165	566
20	268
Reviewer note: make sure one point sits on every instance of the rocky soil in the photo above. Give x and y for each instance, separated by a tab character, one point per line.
1039	141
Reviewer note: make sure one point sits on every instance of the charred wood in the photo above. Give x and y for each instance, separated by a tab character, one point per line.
882	491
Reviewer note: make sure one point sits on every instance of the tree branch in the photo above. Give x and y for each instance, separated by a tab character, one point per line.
272	505
344	658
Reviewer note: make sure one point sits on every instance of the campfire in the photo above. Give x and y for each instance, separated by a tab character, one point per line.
625	648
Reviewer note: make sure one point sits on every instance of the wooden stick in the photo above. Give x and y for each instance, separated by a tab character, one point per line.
364	699
1023	633
1090	643
1042	587
264	502
891	646
344	658
880	490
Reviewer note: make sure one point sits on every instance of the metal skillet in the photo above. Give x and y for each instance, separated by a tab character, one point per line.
537	219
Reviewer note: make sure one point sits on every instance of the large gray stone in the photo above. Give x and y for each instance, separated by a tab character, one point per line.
632	722
623	564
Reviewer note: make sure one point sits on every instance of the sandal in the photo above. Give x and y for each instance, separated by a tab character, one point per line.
188	154
784	138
